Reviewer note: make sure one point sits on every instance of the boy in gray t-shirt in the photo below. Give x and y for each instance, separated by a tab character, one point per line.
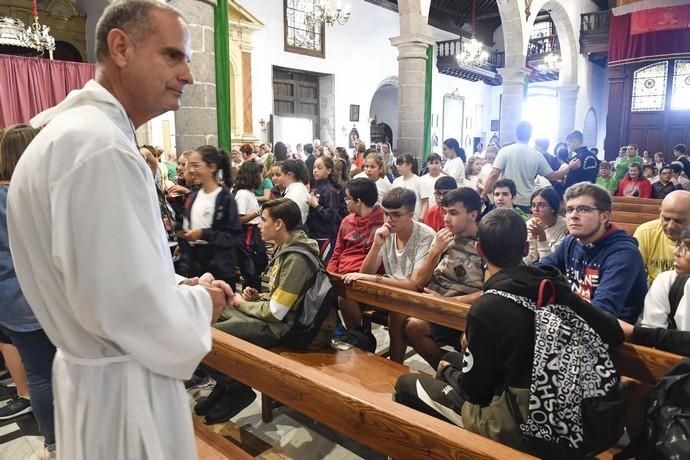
400	244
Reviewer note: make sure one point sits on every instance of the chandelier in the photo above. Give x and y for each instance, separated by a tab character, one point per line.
552	64
472	52
36	37
325	12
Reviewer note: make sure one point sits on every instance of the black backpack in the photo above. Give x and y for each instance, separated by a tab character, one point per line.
317	304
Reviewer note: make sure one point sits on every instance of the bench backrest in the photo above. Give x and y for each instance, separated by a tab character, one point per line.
632	217
650	209
635	200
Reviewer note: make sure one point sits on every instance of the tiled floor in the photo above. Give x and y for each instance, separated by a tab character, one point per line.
290	433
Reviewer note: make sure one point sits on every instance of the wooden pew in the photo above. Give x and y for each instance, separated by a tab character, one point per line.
627	226
212	446
632	217
650	209
350	401
634	200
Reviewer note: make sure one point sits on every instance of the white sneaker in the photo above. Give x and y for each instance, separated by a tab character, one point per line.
48	454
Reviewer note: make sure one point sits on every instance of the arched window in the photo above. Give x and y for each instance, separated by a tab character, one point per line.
680	96
649	88
301	37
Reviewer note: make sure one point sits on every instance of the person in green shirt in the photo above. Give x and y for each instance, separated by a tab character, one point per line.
605	179
504	194
625	162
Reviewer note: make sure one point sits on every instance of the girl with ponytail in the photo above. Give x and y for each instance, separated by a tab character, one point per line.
211	226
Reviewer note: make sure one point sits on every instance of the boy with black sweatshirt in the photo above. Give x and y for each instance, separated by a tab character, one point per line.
499	339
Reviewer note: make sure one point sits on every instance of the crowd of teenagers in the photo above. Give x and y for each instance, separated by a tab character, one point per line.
485	230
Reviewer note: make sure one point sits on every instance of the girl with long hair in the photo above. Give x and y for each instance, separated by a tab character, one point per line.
293	179
407	167
253	249
325	205
634	183
455	160
375	171
546	228
211	228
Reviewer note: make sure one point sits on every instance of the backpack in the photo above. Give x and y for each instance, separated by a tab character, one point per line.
576	404
316	313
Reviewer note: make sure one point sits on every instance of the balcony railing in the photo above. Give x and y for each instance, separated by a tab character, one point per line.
595	23
446	62
542	46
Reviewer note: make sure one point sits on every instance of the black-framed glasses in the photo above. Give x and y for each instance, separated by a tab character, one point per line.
394	215
583	209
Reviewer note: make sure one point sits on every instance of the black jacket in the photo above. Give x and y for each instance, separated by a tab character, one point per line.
324	220
588	170
219	256
500	333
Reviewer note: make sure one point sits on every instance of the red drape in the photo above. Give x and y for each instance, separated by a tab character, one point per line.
626	48
30	85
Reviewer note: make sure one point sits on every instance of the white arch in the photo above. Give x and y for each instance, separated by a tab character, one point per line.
566	37
512	20
590	130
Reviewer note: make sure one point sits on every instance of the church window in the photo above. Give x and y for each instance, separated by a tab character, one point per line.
680	96
300	36
649	88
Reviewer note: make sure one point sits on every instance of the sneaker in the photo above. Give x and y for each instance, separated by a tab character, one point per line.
364	340
7	392
206	404
231	404
48	453
200	384
15	407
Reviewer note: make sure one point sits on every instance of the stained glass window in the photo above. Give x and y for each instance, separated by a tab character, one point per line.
300	36
680	97
649	88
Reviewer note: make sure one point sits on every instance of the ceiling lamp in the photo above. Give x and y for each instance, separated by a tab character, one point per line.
552	64
36	37
325	12
472	52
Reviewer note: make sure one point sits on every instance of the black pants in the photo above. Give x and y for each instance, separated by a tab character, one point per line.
432	395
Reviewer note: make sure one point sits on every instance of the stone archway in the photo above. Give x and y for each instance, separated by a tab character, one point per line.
566	38
384	106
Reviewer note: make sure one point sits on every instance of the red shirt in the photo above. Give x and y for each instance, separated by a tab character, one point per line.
434	218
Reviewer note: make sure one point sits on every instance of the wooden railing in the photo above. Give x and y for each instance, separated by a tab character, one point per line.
452	48
594	23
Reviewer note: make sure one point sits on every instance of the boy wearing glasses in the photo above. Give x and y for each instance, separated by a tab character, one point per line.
401	244
443	185
601	262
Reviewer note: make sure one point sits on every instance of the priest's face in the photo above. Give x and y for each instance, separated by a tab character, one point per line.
157	72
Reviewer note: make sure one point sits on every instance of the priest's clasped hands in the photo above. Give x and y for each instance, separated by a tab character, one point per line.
221	293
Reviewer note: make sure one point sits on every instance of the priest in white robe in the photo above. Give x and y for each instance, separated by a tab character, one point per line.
91	254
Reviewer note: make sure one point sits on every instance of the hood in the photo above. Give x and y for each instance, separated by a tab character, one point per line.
91	94
301	239
524	280
366	220
614	237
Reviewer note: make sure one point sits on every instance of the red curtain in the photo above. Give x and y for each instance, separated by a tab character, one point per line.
31	85
663	43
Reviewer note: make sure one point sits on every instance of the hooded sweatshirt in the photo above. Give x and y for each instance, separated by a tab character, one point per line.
355	238
608	273
500	333
291	274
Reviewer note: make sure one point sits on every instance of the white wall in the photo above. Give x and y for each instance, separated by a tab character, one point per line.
384	106
360	56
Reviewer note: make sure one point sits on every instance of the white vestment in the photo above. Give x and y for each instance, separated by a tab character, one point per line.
92	259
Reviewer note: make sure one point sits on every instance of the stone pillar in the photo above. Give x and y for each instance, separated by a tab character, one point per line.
511	101
567	101
195	121
411	76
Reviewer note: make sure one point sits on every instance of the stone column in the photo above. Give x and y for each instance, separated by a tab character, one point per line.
195	121
411	76
511	101
567	101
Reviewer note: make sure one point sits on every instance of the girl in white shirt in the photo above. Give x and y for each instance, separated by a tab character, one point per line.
455	160
375	171
407	167
546	228
252	252
472	170
293	177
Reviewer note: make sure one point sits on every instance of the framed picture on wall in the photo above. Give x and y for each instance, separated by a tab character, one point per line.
354	112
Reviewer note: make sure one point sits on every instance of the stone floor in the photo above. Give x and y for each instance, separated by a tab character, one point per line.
289	436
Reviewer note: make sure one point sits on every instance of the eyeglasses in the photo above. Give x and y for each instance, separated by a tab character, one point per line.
394	215
441	193
682	248
580	209
540	205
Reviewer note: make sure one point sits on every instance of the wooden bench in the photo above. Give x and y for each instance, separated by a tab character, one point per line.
632	217
627	226
212	446
331	388
634	200
350	391
650	209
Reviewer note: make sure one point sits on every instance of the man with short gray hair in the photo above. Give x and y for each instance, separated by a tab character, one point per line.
91	254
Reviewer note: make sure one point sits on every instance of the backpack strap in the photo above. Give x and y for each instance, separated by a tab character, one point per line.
543	286
674	296
300	250
524	301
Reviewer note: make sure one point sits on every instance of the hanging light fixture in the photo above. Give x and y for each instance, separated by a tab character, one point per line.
35	37
326	12
472	52
552	64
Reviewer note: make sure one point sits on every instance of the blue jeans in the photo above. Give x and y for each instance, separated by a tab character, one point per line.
37	354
